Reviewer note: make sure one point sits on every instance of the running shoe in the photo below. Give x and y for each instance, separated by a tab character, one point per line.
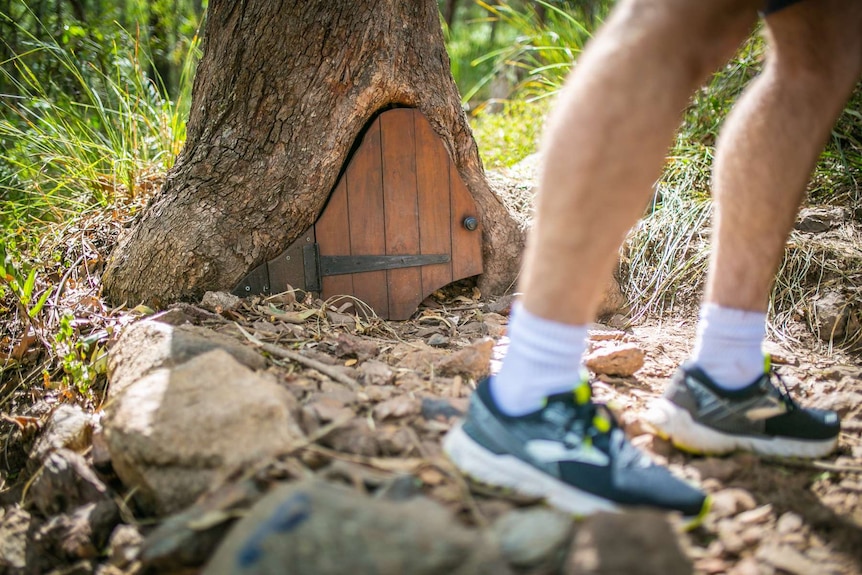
700	417
571	452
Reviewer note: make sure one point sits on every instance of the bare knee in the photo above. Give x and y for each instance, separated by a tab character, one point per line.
697	37
817	46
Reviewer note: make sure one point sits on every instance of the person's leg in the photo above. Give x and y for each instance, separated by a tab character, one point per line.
766	152
604	148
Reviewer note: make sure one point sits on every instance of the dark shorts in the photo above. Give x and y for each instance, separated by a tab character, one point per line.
775	5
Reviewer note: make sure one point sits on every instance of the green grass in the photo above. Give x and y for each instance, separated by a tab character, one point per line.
83	128
510	135
86	134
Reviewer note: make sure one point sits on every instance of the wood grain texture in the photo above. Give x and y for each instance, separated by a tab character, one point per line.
433	189
401	208
364	178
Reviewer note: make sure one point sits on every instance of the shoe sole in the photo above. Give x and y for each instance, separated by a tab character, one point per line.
675	424
510	472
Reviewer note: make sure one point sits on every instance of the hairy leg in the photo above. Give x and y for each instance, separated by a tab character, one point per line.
771	141
605	144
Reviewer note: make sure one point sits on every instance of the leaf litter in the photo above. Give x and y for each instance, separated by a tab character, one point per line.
376	397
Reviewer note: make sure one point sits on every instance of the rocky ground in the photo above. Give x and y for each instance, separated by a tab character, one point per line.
282	435
246	436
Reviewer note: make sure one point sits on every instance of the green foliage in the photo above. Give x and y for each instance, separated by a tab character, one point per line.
82	359
543	51
665	257
86	122
21	282
507	137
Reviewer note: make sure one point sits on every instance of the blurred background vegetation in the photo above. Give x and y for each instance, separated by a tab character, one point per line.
95	94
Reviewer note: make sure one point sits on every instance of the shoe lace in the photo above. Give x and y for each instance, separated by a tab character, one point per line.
782	390
587	419
772	372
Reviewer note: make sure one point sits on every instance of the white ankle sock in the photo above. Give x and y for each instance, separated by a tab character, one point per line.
728	345
543	359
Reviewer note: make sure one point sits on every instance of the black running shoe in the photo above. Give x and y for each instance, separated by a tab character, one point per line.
700	417
571	452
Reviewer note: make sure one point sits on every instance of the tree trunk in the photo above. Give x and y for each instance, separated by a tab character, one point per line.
282	93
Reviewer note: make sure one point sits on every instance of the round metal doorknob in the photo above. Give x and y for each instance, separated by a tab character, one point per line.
471	223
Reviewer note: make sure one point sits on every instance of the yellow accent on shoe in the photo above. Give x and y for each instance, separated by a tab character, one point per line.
697	520
767	363
583	393
601	424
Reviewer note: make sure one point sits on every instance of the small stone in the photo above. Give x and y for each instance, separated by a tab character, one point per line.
353	346
502	305
400	488
820	219
787	559
438	340
728	534
473	329
789	522
621	360
219	301
831	315
375	372
601	333
730	502
752	535
69	427
14	540
400	406
534	536
633	425
723	469
65	482
442	409
748	566
711	565
395	441
756	516
844	402
124	545
354	437
472	361
496	324
80	534
778	355
328	409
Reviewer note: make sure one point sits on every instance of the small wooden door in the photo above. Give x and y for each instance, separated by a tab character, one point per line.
399	210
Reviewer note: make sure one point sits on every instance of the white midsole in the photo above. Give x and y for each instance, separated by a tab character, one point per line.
677	424
509	471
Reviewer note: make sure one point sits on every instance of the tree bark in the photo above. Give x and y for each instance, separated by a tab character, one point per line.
281	95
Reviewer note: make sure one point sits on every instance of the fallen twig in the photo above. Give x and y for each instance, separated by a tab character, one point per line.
328	370
820	465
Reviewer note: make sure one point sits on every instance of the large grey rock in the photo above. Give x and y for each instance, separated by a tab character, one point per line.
174	432
318	528
149	345
634	543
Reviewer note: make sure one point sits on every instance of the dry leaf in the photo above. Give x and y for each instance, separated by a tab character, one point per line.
431	476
